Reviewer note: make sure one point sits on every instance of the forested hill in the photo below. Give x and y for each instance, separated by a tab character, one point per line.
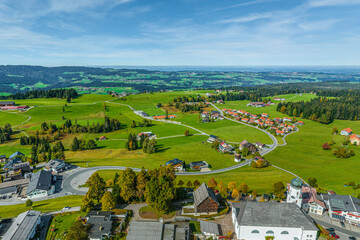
15	79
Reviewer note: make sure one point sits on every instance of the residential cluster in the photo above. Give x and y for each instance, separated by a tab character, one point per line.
26	182
278	126
260	104
212	116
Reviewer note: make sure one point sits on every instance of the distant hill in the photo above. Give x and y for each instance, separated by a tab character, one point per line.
20	78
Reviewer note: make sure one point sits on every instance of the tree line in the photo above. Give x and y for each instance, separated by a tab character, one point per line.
67	94
5	133
147	145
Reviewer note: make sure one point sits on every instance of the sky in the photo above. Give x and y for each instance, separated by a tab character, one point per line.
180	32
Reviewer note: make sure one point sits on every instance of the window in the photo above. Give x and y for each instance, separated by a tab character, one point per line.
255	231
269	232
284	232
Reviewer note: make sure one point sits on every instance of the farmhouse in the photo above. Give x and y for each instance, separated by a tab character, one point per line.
256	104
14	108
40	185
259	145
279	132
345	208
286	119
198	165
355	139
346	132
205	200
177	164
212	138
305	197
150	135
224	147
283	221
24	226
237	157
102	138
3	158
6	104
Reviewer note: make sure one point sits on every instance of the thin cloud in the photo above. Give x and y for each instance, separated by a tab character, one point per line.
248	18
324	3
244	4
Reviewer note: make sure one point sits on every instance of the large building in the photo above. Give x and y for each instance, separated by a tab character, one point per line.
40	185
158	231
283	221
55	165
345	208
24	226
205	201
305	197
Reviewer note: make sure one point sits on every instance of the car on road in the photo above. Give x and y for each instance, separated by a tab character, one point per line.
342	224
352	238
330	229
66	208
334	235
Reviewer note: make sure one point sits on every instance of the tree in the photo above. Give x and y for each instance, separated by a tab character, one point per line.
245	152
29	203
189	184
279	190
313	182
215	144
254	194
160	191
326	146
232	185
212	184
77	231
294	113
235	193
75	145
133	124
196	183
141	180
244	188
283	109
87	203
187	133
223	190
127	182
107	201
97	187
159	105
180	183
335	130
91	144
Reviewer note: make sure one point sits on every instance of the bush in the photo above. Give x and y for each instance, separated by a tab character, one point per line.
326	146
343	153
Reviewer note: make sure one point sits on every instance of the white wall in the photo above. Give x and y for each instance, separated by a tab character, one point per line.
245	233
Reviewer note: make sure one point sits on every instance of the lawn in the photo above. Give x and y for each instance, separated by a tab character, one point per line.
60	224
44	206
148	212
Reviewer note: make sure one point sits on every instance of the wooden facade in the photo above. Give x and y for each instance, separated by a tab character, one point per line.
207	206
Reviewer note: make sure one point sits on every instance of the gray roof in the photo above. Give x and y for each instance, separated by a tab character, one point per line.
54	163
7	102
2	156
99	225
202	193
8	190
156	231
40	181
22	226
272	214
344	203
16	183
209	227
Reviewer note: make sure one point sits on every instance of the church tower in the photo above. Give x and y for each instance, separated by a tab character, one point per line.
294	192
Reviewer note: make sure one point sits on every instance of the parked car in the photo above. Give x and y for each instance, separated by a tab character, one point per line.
342	224
334	235
330	229
352	238
66	208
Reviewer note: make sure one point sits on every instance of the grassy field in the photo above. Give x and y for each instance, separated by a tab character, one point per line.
60	223
44	206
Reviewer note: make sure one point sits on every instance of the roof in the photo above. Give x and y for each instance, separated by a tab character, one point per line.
209	227
8	190
272	214
99	225
349	130
7	102
22	226
198	163
260	144
344	203
156	231
16	154
202	193
54	163
99	213
2	156
213	136
14	183
39	181
296	182
175	161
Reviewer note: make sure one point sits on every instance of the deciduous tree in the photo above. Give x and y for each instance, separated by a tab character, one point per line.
107	201
244	188
212	184
97	187
77	231
279	190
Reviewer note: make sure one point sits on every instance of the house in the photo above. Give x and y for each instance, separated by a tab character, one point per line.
3	158
212	138
40	185
8	191
209	229
282	221
256	104
237	157
204	114
355	139
55	165
102	138
7	103
300	123
279	132
215	114
16	164
251	147
287	119
158	231
177	164
198	165
305	197
346	132
150	135
278	120
224	147
100	224
23	166
220	101
259	145
257	158
24	226
205	200
16	155
14	108
279	99
265	115
344	208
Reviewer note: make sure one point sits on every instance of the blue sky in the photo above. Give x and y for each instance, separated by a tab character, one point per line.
180	32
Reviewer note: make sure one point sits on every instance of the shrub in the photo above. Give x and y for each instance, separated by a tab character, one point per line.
326	146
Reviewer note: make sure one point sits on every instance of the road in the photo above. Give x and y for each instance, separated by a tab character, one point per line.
342	232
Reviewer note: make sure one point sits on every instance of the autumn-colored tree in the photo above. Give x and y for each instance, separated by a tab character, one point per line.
87	203
223	190
335	130
196	183
254	194
107	201
159	193
283	109
77	231
212	184
187	133
141	180
180	183
232	185
127	183
97	187
235	193
244	188
109	183
189	184
279	190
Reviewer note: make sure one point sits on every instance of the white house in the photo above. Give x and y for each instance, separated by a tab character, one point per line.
40	185
345	208
346	132
305	197
283	221
24	226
